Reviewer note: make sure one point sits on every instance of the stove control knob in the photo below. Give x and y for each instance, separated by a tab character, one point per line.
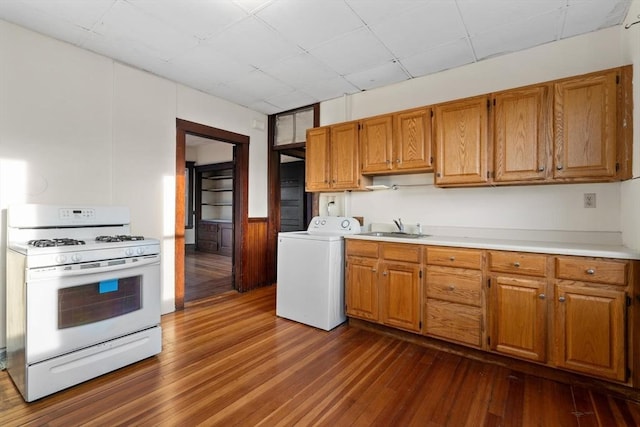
128	252
76	258
140	251
61	259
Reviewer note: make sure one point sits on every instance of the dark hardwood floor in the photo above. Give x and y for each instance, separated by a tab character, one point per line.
229	361
206	274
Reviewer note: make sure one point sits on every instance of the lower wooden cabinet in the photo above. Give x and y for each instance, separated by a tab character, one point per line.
568	312
453	308
590	328
215	237
400	295
384	288
519	317
361	288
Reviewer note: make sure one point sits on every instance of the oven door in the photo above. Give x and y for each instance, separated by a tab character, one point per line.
73	307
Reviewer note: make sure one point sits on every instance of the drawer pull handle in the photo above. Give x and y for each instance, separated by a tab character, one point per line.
373	270
561	299
452	258
516	264
591	271
452	288
384	273
542	296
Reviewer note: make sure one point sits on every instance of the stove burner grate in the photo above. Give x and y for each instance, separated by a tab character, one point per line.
118	238
45	243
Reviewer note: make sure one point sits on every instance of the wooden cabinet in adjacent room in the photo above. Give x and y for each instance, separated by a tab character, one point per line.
332	159
453	298
590	314
461	141
518	301
397	143
214	208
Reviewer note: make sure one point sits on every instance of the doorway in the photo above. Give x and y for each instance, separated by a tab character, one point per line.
240	143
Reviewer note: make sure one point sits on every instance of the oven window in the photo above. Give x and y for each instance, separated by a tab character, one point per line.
81	305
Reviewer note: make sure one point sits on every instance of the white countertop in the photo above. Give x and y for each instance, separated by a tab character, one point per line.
554	248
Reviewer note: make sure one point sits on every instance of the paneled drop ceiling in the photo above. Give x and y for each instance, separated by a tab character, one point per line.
275	55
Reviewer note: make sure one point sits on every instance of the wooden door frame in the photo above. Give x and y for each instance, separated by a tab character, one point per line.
240	205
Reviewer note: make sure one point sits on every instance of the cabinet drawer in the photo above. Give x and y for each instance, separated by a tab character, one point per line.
592	270
363	248
456	322
455	285
518	263
453	257
400	252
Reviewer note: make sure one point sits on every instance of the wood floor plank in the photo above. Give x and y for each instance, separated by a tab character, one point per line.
228	360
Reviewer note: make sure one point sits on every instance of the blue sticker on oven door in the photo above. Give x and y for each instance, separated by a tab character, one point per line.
108	286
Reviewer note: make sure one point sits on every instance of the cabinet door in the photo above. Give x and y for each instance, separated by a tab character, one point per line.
519	313
345	171
412	149
400	296
522	134
361	288
376	138
585	127
317	165
225	236
461	142
590	325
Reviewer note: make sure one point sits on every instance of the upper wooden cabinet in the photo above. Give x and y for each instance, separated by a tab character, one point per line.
461	139
578	129
522	134
586	127
333	156
398	143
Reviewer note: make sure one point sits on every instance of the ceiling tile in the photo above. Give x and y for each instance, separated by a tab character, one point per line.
84	14
310	22
373	12
299	69
252	5
439	58
518	35
432	24
481	16
251	41
260	85
352	52
291	100
25	15
197	18
584	16
329	89
130	28
383	75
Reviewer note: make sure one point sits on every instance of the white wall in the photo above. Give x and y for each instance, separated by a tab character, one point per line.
548	207
76	127
630	190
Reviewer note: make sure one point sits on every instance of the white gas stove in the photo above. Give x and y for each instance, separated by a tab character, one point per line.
83	295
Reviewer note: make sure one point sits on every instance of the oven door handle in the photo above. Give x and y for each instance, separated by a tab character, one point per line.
92	267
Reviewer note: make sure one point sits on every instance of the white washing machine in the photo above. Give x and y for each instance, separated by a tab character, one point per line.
310	287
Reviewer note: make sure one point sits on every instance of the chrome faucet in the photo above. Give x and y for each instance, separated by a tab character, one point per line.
399	224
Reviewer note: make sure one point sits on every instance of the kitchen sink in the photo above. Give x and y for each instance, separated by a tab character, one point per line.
394	234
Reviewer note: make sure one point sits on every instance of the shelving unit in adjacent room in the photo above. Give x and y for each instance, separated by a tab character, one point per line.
214	208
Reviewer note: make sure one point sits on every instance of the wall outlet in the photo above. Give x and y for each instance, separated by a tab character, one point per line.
589	200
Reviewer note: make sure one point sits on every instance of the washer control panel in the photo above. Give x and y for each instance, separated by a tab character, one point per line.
338	225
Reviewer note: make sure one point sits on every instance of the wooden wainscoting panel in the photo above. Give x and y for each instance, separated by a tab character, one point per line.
256	263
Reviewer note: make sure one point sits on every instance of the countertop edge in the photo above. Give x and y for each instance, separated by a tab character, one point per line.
550	248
